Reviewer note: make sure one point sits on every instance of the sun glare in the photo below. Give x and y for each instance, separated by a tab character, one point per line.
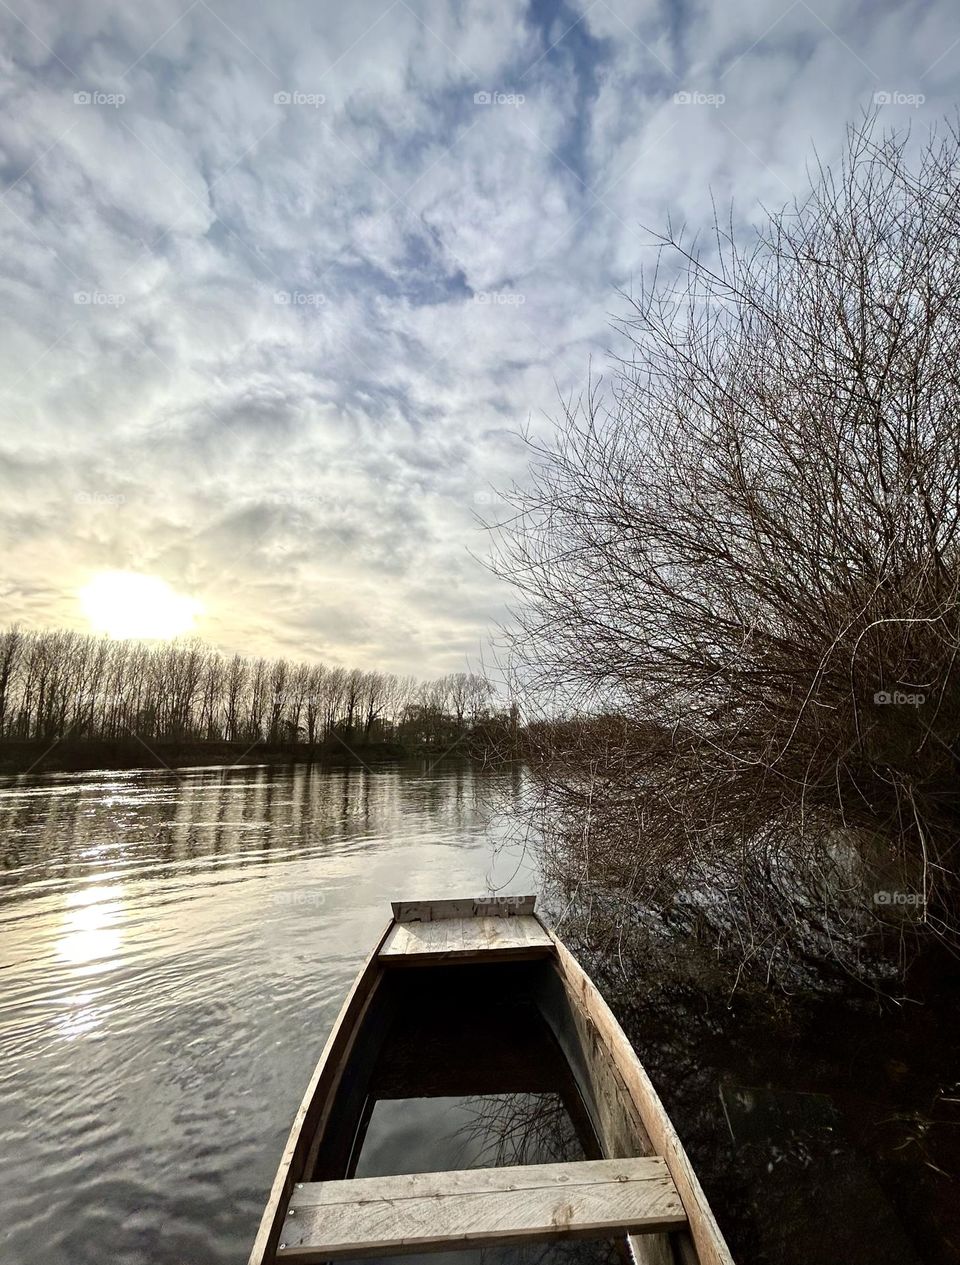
124	604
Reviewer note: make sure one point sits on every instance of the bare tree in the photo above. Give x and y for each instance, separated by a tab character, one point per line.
353	687
479	697
236	679
11	646
746	558
375	700
259	687
400	691
299	687
334	692
458	690
212	688
314	702
279	678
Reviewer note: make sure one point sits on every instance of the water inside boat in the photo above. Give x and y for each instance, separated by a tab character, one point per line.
459	1069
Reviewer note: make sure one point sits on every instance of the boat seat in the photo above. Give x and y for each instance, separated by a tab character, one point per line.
435	1212
465	939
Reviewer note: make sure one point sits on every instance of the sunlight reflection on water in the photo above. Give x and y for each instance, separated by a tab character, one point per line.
91	932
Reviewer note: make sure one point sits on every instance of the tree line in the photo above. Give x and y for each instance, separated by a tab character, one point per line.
59	683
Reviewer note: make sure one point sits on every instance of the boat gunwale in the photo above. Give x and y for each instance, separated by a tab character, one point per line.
316	1096
708	1241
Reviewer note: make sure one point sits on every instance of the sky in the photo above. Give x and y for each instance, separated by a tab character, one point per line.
280	284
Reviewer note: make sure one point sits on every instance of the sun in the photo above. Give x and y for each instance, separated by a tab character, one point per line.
125	604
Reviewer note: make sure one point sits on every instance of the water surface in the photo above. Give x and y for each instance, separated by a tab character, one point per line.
174	948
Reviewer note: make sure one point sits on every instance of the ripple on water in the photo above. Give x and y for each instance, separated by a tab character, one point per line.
173	950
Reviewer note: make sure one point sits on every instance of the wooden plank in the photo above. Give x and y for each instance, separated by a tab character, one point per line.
464	907
449	939
426	1212
708	1242
611	1111
316	1103
479	1181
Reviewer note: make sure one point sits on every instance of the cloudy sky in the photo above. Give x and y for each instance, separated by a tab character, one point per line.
280	282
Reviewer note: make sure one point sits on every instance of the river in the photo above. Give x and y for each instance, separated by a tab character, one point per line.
174	948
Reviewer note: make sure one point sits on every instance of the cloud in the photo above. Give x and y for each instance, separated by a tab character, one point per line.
280	285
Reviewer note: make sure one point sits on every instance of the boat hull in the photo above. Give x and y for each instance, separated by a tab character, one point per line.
476	1007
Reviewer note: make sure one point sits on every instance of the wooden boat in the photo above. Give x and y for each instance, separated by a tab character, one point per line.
478	997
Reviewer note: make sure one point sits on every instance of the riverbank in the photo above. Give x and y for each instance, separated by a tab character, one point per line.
65	756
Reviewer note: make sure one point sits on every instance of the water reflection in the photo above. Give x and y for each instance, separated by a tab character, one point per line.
91	933
422	1135
82	1017
173	951
143	822
409	1135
